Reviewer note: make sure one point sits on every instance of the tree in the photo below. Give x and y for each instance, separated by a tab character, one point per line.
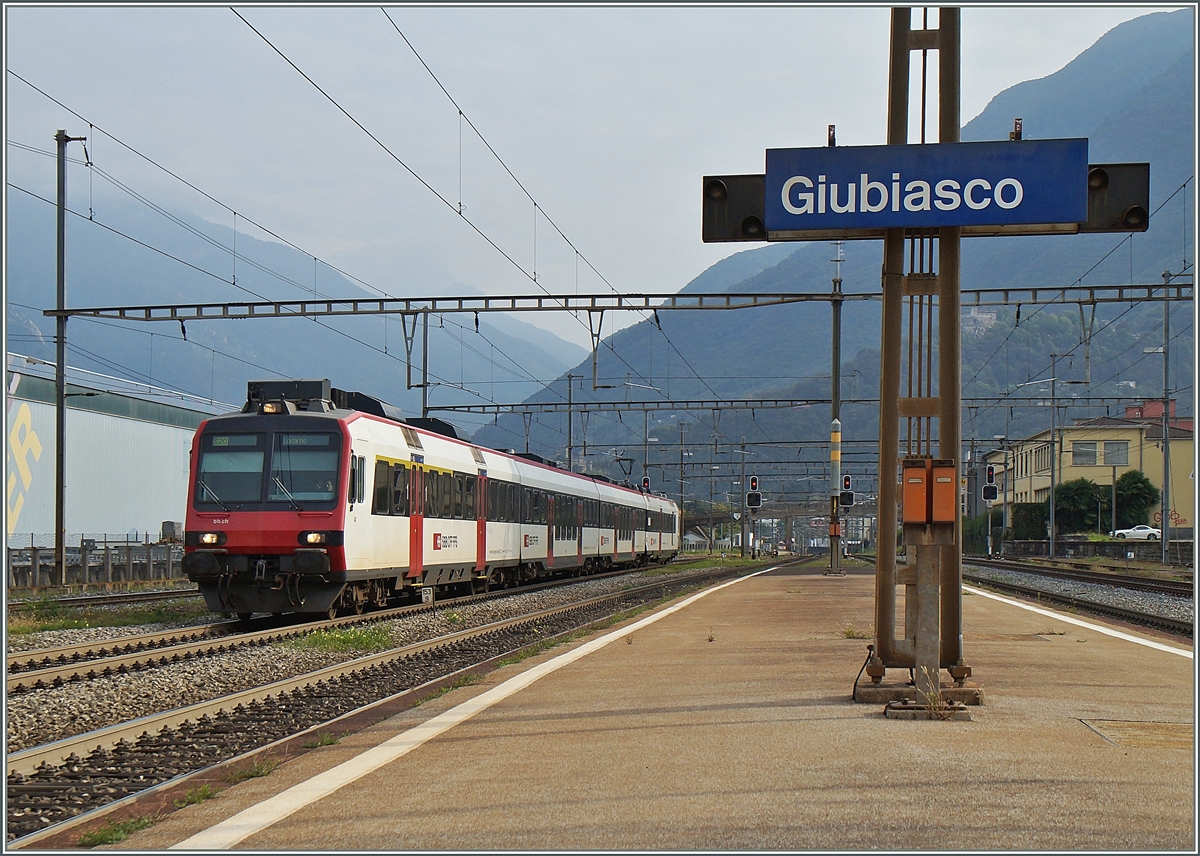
1135	496
1029	520
975	531
1076	504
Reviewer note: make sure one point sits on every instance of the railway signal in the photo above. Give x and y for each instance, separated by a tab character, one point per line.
754	500
990	491
846	482
754	484
645	482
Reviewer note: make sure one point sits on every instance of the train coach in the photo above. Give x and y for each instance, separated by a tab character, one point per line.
317	500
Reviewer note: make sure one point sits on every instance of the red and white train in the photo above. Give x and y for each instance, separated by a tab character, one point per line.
316	500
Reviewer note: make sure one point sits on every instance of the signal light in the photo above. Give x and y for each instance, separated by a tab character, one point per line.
991	474
1118	198
754	500
754	483
734	208
846	482
991	493
645	482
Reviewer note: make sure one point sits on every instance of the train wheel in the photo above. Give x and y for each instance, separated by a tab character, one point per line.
244	616
332	612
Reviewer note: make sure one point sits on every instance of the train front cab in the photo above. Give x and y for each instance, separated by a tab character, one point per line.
265	527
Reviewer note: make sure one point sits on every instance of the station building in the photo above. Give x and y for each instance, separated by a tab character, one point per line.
1102	449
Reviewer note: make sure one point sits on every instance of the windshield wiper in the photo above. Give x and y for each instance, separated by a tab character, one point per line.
213	494
287	493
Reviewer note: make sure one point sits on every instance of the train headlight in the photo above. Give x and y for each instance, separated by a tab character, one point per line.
210	539
270	407
314	537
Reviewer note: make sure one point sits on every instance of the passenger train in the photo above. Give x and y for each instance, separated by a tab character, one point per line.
317	500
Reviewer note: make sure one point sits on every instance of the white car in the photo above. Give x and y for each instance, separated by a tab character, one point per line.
1141	532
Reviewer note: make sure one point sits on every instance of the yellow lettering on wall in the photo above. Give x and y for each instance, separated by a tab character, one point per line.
23	442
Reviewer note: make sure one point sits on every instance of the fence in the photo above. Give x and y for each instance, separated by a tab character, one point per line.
1179	552
92	558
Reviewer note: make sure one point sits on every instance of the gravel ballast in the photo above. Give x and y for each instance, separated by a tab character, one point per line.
52	713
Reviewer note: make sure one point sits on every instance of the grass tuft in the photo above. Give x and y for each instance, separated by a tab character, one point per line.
464	681
373	638
52	616
197	795
851	632
255	771
323	738
116	831
938	709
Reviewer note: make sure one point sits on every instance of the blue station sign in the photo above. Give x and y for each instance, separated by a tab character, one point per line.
917	186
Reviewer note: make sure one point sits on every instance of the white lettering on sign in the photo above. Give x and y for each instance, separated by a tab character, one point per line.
801	196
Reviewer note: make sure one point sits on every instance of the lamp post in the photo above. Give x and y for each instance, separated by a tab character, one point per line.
711	536
1004	495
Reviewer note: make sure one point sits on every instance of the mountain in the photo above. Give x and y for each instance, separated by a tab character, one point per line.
218	357
1132	94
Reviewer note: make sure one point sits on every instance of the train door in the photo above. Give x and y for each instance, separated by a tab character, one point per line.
578	532
551	516
481	520
416	518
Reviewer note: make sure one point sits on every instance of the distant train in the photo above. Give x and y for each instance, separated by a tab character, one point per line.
317	500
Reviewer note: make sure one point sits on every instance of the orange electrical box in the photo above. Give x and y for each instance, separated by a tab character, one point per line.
915	474
945	492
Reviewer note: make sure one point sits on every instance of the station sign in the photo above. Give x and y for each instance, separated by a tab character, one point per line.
926	186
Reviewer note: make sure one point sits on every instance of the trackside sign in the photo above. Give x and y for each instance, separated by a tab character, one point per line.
915	186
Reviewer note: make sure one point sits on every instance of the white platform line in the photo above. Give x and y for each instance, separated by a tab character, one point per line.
230	832
1107	631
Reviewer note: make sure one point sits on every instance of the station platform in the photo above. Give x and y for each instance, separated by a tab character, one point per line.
725	721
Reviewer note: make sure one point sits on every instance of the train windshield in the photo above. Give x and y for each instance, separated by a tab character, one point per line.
303	467
247	470
231	467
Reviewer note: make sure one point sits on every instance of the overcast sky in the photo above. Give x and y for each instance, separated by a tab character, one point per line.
608	117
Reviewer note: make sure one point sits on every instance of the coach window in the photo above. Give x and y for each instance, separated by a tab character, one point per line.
457	497
447	484
431	493
469	497
399	489
379	503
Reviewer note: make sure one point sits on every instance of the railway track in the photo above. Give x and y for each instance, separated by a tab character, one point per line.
109	599
57	785
1138	617
1178	588
36	669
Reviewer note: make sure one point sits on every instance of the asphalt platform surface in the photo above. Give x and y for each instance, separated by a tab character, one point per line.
727	723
